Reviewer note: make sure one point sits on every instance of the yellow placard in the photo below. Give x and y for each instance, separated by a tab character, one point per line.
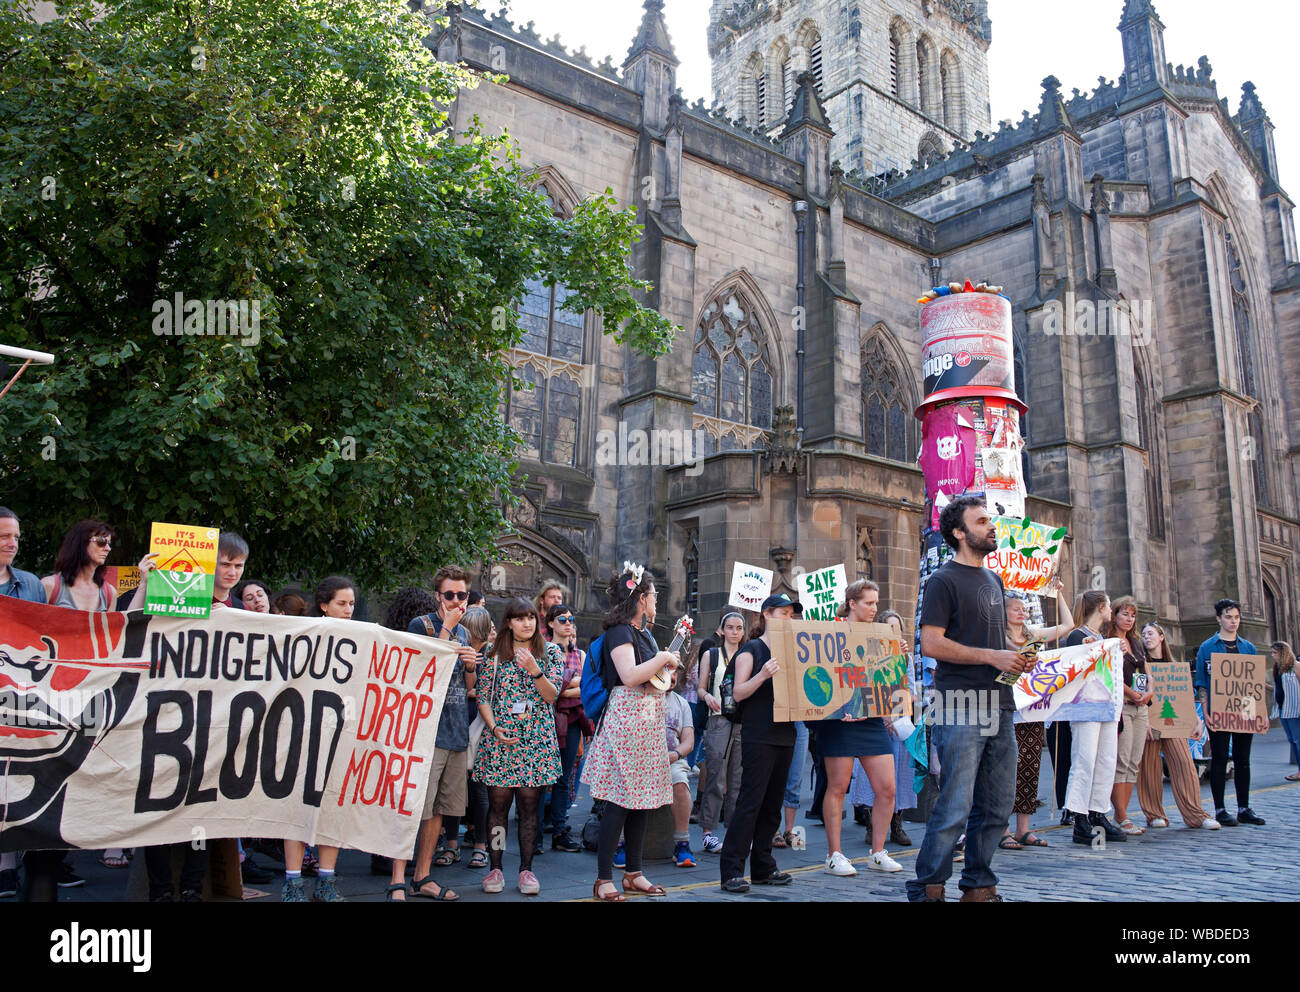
183	548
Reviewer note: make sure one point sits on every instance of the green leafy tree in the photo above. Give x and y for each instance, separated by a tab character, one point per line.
296	155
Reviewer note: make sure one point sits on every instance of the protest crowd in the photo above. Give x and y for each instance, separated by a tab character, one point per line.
530	715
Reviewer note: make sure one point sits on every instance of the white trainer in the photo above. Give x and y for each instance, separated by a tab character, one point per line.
881	861
838	864
1211	824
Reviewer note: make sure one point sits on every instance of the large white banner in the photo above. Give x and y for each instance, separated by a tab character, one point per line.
118	730
1082	683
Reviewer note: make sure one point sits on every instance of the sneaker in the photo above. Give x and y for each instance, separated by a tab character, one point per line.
1157	823
327	890
563	841
737	885
528	884
838	864
620	856
712	844
191	895
291	891
1209	825
1248	815
1225	818
69	879
8	883
683	855
881	861
494	881
776	878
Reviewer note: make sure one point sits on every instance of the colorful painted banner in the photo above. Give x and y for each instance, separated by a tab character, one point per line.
1173	708
830	670
1082	683
187	565
1028	554
1237	694
124	730
822	592
750	585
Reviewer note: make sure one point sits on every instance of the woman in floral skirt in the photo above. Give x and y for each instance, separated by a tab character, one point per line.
517	754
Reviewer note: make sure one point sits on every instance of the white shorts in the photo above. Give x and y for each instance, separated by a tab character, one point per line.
680	772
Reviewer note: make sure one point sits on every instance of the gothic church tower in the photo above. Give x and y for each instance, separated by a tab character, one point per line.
899	79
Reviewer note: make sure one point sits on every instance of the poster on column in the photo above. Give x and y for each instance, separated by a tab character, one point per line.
750	585
1083	683
821	592
1173	708
1237	694
830	670
125	730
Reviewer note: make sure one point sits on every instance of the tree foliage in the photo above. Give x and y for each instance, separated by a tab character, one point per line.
296	153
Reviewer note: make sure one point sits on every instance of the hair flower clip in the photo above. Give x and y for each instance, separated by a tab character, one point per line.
638	571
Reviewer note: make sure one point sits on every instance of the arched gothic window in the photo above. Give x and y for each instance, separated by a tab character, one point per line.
1148	441
731	374
886	404
951	95
1241	316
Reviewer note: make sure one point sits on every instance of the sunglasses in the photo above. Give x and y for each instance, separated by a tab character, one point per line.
103	542
453	596
563	620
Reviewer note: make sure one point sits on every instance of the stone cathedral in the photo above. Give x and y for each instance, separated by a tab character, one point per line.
848	163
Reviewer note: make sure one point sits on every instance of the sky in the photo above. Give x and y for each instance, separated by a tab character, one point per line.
1032	39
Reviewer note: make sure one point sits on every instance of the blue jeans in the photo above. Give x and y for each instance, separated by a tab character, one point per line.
976	793
793	786
1291	726
560	790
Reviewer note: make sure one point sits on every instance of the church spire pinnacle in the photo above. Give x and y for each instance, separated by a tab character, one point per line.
652	36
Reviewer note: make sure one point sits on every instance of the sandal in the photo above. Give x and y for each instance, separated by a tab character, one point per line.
1130	828
614	896
478	859
118	860
779	841
1009	843
1293	778
444	894
649	889
447	857
788	837
389	892
1030	839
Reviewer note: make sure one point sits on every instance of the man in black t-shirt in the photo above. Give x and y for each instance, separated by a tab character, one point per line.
963	627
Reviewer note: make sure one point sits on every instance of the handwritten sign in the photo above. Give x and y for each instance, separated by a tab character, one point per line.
1173	708
187	565
830	670
1237	694
750	585
822	592
1027	554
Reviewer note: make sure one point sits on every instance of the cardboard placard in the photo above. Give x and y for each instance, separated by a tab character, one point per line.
1237	694
821	592
830	670
187	565
1032	574
1173	710
750	585
123	578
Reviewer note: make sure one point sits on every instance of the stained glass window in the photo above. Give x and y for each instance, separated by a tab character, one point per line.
731	372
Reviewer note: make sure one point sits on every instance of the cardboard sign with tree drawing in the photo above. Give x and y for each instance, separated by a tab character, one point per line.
1237	694
831	670
1173	710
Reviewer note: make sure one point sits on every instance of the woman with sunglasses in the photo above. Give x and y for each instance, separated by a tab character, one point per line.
518	754
570	721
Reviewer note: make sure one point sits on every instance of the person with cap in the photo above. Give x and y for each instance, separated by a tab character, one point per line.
766	750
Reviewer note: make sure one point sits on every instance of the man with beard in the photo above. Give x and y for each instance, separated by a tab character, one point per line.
963	623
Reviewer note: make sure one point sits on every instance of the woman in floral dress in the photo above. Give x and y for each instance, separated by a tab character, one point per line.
517	754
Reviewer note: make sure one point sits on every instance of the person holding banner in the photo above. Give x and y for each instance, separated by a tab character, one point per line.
721	734
1135	727
628	763
1226	641
766	750
1177	756
1029	735
518	754
864	739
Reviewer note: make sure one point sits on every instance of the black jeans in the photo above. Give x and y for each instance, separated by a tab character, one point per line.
1059	741
158	862
1240	766
763	771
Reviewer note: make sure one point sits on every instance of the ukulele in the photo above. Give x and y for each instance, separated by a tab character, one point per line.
682	632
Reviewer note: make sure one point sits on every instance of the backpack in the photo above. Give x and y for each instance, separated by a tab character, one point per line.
595	692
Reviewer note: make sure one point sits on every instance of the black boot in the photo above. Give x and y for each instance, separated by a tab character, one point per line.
1113	833
896	832
1082	830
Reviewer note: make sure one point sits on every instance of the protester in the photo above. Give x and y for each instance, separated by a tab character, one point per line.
290	604
865	740
680	734
254	594
482	634
14	581
447	794
552	593
1228	613
1286	694
963	627
722	749
335	597
518	754
1135	727
232	556
627	764
1029	735
1177	758
766	751
570	722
